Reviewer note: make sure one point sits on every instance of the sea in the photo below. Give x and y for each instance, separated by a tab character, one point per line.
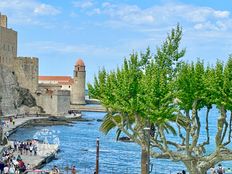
77	143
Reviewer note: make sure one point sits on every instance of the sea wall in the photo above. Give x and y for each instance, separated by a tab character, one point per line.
54	102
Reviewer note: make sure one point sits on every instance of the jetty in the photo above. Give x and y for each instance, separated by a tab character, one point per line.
45	154
88	108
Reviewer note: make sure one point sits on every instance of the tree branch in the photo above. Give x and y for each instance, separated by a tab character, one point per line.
220	124
196	126
207	127
230	129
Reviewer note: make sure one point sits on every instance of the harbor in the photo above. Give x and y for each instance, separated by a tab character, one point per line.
78	147
45	152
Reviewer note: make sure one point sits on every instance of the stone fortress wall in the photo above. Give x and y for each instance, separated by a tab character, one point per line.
3	22
54	99
8	43
26	69
55	102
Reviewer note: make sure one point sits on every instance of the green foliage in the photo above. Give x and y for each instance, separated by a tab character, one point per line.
143	84
162	90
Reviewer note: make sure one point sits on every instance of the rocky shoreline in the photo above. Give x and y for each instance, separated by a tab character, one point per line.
52	120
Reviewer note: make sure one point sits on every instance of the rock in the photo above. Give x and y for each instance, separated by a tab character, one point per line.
13	98
125	139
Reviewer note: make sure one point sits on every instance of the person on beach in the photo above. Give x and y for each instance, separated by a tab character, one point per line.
28	166
19	158
14	161
55	170
31	149
15	145
17	171
27	148
1	167
229	170
6	169
73	171
212	170
220	169
11	169
21	148
35	149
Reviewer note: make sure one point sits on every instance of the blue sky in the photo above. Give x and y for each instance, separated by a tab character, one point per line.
103	33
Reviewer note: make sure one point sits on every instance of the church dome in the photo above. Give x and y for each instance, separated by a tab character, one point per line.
80	62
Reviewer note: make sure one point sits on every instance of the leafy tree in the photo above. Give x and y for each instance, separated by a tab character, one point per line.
137	95
170	97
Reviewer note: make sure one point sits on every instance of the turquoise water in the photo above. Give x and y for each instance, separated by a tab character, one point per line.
78	147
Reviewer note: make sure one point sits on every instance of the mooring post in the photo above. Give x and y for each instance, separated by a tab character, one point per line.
97	156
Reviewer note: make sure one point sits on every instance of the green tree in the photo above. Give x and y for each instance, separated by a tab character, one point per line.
138	95
170	97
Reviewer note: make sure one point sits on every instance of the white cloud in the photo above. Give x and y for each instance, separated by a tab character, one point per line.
27	11
198	17
221	14
83	4
206	26
45	9
130	14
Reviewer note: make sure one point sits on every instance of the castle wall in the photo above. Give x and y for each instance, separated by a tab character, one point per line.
48	102
8	46
3	21
63	102
26	69
56	103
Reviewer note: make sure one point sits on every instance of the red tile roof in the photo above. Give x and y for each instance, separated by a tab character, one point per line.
80	62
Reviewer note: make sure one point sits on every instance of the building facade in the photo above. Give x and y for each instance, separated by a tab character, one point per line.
75	85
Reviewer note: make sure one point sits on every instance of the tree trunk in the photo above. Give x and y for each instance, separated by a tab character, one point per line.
144	161
193	168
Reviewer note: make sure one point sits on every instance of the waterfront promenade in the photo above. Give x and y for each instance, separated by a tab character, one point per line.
45	153
19	122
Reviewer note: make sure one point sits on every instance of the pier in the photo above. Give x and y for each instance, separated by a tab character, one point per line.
88	108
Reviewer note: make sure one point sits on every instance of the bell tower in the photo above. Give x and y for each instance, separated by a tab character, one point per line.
78	87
